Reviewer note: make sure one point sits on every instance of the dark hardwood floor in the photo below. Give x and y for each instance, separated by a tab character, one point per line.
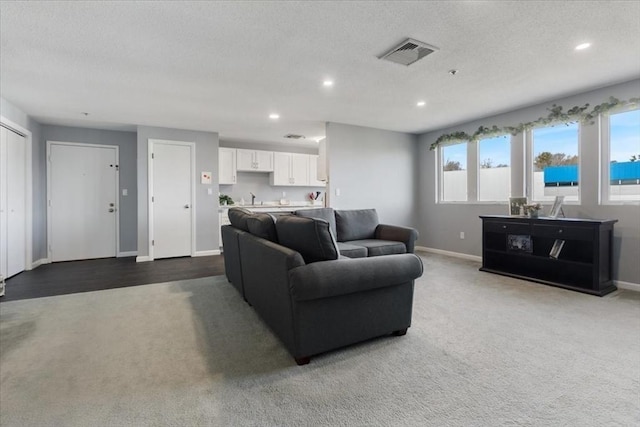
108	273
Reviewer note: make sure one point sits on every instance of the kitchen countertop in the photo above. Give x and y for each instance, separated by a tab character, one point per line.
272	206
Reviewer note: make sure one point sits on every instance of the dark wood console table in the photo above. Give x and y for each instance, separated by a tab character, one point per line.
523	247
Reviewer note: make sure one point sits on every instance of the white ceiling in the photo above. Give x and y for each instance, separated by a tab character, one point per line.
224	66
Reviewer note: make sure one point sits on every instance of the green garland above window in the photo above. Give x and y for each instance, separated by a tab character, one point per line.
556	116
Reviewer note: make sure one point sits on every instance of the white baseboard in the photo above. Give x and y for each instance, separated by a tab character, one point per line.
144	258
627	285
449	253
40	262
126	254
207	253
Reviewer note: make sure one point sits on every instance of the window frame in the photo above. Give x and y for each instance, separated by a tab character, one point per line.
440	174
509	142
531	169
604	192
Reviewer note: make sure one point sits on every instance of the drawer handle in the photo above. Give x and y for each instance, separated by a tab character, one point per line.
560	231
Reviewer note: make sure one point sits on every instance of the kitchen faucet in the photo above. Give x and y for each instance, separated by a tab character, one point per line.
253	198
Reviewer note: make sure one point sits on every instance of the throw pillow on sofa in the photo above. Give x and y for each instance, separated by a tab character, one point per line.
263	225
238	218
311	237
357	224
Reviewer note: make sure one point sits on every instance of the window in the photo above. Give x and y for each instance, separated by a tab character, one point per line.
494	169
454	173
555	157
623	157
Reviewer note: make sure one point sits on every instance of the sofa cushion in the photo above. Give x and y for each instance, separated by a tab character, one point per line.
311	237
352	251
356	224
263	225
377	247
238	218
323	213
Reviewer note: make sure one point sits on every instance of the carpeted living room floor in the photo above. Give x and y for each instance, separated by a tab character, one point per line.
483	350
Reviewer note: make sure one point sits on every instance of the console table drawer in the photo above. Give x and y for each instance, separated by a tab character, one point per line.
508	227
564	232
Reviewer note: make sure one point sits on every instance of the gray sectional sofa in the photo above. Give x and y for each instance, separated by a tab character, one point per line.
290	270
359	234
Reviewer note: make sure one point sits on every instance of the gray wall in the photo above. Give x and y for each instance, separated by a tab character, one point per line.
39	184
440	224
126	141
258	183
207	219
373	168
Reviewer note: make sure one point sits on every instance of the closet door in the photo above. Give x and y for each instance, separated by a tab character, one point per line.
13	203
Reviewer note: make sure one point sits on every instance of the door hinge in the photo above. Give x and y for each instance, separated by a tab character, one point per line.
153	243
153	199
49	203
153	156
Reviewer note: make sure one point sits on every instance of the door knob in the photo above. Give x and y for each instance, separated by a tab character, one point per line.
186	206
111	210
111	204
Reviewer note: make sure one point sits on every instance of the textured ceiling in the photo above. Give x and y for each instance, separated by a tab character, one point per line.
224	66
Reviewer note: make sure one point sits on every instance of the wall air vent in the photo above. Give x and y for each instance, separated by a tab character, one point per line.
294	136
408	52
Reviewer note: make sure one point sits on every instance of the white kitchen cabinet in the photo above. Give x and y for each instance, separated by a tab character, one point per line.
290	169
313	172
254	161
227	165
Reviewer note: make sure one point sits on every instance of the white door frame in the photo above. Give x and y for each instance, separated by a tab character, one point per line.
117	201
28	189
150	146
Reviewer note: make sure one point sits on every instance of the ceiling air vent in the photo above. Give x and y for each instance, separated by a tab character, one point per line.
294	136
408	52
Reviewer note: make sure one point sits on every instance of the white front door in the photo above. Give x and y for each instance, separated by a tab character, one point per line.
171	191
12	203
83	201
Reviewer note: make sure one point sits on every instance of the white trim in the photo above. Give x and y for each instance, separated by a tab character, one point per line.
40	262
449	253
117	195
126	254
208	253
627	285
143	258
192	146
604	168
29	187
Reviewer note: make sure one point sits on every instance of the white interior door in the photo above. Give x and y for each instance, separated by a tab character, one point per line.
172	197
83	201
12	203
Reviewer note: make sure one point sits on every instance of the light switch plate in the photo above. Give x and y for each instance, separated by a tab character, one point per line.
125	192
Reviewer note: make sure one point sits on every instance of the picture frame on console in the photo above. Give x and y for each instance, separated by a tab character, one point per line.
516	206
556	209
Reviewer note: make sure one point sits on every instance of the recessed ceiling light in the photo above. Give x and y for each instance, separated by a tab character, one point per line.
274	116
583	46
327	83
421	103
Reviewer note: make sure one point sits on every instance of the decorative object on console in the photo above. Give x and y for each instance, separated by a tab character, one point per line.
557	207
556	248
532	210
516	205
519	243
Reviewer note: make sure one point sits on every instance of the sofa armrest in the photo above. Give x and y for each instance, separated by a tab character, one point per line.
406	235
346	275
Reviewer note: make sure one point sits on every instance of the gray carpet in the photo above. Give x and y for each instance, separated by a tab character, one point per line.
483	350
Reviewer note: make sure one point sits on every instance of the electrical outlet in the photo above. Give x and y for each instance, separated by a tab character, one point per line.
284	194
337	191
462	235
